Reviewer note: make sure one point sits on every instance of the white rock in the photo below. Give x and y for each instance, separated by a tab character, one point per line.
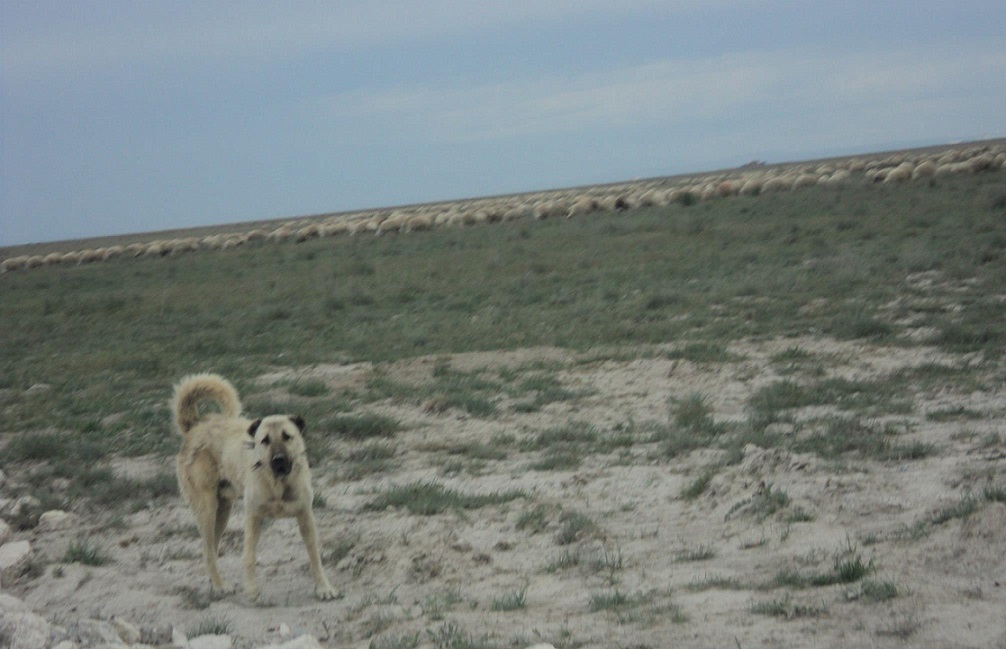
54	519
13	558
178	638
284	630
93	632
5	531
128	633
211	642
301	642
11	604
24	630
66	644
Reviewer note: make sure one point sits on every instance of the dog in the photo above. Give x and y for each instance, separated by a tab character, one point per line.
225	455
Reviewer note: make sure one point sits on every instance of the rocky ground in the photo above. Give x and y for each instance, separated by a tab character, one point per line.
606	537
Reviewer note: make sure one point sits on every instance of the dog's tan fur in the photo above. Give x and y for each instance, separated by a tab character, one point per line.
224	455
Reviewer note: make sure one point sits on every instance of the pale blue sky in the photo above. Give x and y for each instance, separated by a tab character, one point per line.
125	116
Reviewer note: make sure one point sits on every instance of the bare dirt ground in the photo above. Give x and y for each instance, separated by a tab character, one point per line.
650	569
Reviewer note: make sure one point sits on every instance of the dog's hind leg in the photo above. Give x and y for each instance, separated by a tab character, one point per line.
253	526
308	531
206	509
220	526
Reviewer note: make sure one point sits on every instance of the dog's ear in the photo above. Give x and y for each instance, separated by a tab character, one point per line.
254	427
299	422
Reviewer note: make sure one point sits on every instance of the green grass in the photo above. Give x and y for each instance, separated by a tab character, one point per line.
430	498
698	486
511	601
84	552
211	626
765	503
451	636
574	527
365	426
395	641
111	338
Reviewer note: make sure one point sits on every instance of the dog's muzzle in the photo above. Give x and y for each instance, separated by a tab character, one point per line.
280	465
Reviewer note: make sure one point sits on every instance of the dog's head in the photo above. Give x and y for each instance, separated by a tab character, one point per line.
278	444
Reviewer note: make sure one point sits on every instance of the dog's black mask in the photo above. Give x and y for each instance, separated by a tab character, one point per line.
280	465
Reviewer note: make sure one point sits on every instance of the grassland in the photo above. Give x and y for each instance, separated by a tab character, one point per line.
107	338
543	472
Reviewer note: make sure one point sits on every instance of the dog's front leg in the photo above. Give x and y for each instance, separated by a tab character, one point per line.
308	531
253	526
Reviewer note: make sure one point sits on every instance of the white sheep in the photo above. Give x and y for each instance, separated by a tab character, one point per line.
88	256
751	187
280	234
419	222
925	169
52	259
581	207
307	232
33	262
72	257
900	174
13	263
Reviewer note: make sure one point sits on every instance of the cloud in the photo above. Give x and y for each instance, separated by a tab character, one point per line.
104	36
735	88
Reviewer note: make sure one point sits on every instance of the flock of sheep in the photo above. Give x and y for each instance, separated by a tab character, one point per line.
748	181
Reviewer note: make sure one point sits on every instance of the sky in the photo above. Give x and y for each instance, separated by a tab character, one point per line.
119	116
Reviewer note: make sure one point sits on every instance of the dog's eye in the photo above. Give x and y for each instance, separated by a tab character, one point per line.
286	436
265	441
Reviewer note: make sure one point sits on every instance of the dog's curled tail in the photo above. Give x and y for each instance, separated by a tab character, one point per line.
199	387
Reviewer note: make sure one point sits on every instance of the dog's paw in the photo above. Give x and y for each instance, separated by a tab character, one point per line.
252	592
222	589
325	592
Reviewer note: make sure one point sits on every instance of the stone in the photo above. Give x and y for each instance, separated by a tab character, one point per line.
93	632
24	630
14	557
211	642
128	633
5	531
54	519
24	512
300	642
178	638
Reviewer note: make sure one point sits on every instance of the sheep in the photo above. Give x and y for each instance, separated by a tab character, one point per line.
257	234
88	256
136	249
804	180
419	222
52	259
652	198
307	232
925	169
13	263
751	187
113	252
899	174
213	241
515	213
155	249
33	262
233	241
981	162
280	234
72	257
581	206
179	247
333	229
393	223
